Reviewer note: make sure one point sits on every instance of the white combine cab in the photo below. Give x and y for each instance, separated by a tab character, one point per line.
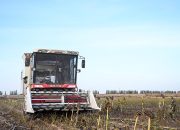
49	82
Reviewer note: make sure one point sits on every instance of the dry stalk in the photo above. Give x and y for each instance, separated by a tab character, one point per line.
66	115
135	123
72	111
142	106
149	123
98	121
107	118
77	113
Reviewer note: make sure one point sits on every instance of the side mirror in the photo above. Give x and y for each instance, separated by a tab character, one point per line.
25	80
27	61
78	70
83	64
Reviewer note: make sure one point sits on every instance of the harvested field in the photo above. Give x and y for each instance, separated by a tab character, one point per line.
118	112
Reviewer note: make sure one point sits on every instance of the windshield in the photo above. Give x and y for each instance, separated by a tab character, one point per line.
55	68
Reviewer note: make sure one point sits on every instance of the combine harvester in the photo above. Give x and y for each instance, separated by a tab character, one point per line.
49	82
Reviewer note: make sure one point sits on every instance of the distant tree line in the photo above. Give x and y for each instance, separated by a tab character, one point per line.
141	92
113	92
13	92
121	92
10	93
158	92
95	92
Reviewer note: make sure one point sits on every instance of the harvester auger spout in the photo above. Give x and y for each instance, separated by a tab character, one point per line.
49	82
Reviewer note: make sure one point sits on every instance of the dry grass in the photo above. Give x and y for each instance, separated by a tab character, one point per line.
122	112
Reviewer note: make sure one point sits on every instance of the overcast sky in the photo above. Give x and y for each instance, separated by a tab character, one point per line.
128	45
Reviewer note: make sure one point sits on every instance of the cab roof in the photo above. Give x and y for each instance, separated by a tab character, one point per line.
56	51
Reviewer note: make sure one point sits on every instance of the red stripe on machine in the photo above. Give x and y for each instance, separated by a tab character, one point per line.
53	86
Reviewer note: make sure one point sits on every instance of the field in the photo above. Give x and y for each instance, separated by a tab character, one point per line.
119	112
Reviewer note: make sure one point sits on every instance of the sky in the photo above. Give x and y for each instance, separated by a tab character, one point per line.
128	45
